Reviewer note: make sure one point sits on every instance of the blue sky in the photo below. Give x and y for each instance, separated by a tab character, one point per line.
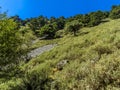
34	8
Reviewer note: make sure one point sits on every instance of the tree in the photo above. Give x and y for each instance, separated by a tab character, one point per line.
36	23
78	17
115	12
85	20
106	14
73	26
18	20
60	22
11	43
2	15
96	18
48	30
52	19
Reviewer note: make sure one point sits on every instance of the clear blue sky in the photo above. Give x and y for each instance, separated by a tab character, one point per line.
34	8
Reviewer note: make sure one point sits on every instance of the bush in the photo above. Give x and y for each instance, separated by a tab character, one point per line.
36	81
11	42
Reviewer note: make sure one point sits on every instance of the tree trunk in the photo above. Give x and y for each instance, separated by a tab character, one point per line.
74	33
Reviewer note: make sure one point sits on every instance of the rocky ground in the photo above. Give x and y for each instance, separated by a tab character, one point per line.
40	50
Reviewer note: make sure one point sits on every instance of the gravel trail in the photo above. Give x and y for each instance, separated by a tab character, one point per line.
40	50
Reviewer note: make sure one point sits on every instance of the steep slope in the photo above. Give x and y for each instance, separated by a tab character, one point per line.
93	55
93	60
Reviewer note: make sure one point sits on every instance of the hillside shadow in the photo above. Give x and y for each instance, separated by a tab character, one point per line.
83	33
104	21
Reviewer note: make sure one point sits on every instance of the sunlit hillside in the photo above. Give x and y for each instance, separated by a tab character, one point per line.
93	62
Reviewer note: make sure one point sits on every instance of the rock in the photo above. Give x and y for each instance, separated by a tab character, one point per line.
61	64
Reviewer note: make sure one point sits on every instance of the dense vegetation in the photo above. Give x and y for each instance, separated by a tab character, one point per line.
42	26
87	45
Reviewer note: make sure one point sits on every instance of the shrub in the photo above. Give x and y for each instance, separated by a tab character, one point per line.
11	42
36	81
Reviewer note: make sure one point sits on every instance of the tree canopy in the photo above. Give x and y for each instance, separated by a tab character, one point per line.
73	26
115	12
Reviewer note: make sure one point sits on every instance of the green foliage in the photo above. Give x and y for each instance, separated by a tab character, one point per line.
27	32
103	49
115	12
36	23
59	21
73	26
18	20
78	17
94	61
28	36
85	20
48	30
10	43
96	18
59	34
52	19
35	81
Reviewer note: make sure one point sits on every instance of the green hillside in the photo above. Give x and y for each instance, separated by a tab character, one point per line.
93	62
